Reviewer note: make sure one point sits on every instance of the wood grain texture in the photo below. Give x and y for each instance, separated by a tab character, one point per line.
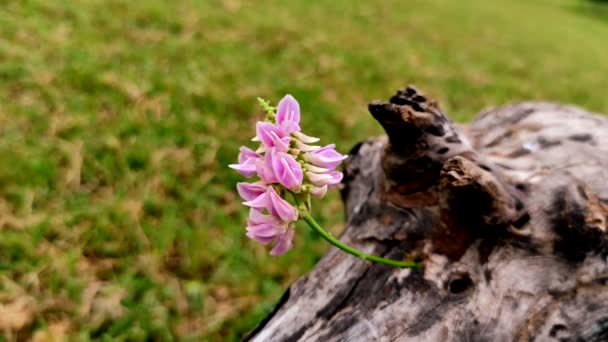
508	215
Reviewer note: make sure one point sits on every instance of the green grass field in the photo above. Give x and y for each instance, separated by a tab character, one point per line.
118	216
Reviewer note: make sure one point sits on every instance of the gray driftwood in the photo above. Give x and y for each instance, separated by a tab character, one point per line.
507	214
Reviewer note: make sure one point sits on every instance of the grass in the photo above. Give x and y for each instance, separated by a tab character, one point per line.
118	216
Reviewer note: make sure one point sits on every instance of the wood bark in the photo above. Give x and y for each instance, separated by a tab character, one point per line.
507	214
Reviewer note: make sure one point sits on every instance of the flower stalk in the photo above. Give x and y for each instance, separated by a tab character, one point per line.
305	215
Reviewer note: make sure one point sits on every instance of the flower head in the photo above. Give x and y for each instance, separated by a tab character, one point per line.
285	162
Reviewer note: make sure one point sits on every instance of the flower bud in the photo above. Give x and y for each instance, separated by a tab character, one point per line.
318	192
288	114
330	179
246	165
326	157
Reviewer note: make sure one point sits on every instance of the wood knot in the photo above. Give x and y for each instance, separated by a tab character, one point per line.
421	139
578	218
473	204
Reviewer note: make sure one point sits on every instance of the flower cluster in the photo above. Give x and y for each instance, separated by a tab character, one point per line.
285	162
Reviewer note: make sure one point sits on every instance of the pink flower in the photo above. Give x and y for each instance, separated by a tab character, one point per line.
331	179
264	228
272	136
288	114
286	169
305	138
318	192
284	155
279	207
326	157
264	168
279	167
246	166
276	206
284	243
251	191
260	202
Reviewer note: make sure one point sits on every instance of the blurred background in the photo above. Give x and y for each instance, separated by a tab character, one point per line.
118	215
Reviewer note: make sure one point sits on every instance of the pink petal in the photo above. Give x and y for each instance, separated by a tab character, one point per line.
305	138
256	217
280	208
336	179
250	191
247	154
263	130
264	168
246	166
260	239
288	177
326	157
259	202
245	170
287	170
306	148
265	230
319	192
288	114
320	179
315	169
281	144
284	244
272	136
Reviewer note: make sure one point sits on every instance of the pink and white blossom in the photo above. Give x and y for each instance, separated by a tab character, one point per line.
264	228
265	170
251	191
326	157
267	228
260	202
274	204
330	179
246	166
286	169
318	192
272	136
284	243
288	114
280	208
304	138
305	147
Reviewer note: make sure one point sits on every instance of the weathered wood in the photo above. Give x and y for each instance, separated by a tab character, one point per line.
508	215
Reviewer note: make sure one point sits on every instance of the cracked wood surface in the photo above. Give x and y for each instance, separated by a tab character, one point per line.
508	215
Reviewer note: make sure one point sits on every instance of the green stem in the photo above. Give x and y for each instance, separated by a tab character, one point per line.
327	236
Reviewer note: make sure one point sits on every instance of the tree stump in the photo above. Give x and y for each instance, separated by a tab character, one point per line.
508	215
